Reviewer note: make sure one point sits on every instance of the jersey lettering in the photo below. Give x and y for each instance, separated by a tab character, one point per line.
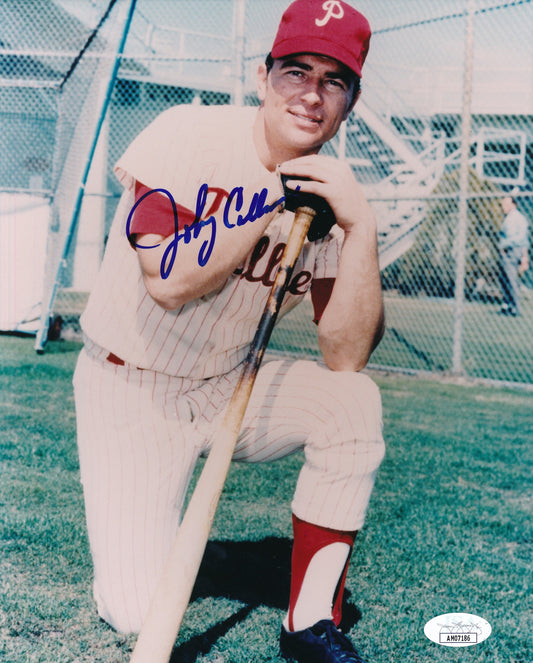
298	283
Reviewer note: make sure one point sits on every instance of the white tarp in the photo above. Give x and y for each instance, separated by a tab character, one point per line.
23	229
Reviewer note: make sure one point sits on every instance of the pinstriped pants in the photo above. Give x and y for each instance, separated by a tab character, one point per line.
140	435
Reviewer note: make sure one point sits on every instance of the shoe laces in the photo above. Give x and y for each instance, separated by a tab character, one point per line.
338	643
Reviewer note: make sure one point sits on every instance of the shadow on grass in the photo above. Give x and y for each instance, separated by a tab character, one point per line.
256	573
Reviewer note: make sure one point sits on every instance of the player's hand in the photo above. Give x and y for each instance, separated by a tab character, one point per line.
333	180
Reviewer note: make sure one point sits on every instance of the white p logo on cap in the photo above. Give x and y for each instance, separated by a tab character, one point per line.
333	9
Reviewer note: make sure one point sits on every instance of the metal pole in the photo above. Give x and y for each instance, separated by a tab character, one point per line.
239	16
460	267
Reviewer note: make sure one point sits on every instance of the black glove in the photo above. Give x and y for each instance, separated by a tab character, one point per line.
324	218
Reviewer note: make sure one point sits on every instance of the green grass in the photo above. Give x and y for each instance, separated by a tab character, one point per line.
419	337
448	530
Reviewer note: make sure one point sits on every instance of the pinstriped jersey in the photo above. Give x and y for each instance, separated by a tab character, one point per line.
185	148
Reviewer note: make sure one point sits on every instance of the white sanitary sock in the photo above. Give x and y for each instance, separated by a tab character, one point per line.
322	576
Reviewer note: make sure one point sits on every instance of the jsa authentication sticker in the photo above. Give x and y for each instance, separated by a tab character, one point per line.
457	629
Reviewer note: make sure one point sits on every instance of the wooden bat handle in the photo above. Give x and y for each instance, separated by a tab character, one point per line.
171	598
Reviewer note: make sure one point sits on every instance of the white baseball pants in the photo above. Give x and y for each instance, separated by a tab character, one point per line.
140	434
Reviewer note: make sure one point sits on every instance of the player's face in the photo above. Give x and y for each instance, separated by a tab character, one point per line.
305	98
507	205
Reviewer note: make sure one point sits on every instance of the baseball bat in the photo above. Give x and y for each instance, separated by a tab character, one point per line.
171	598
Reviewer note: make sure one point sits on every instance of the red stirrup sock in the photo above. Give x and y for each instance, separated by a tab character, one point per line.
320	559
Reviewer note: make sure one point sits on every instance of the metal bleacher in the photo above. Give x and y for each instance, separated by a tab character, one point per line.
401	168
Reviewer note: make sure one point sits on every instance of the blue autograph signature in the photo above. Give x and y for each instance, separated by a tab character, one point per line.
256	210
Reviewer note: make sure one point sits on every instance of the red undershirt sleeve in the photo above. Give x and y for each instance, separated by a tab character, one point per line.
154	213
320	294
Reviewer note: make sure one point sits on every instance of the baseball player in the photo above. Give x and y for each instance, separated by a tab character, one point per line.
189	265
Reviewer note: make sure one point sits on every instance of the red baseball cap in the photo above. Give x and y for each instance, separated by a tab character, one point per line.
327	27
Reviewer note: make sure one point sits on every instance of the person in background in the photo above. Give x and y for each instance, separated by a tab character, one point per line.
514	246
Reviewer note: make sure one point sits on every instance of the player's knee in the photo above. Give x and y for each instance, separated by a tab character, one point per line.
343	399
359	399
123	616
121	622
357	421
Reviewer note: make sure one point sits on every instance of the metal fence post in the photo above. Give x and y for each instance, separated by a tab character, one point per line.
462	224
239	74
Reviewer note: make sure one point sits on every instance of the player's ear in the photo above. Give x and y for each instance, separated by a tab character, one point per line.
261	81
352	104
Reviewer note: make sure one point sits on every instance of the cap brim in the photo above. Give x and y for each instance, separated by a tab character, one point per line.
319	46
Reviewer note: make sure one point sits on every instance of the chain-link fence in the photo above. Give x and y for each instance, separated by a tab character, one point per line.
442	132
56	74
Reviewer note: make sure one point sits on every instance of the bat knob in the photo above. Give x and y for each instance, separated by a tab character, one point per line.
324	218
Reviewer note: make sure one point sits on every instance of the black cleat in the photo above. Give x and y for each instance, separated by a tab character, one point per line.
321	643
